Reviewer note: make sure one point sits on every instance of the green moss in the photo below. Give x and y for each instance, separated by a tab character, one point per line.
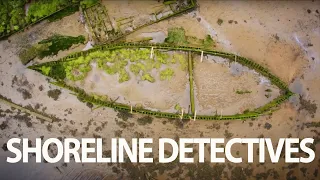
176	36
182	60
123	76
46	70
28	54
177	107
243	92
58	43
208	42
148	77
88	3
63	13
40	9
58	72
135	69
166	74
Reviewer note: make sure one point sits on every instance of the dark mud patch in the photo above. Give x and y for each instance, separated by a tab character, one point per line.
267	126
145	120
124	115
307	105
4	125
4	147
54	94
25	93
25	118
174	170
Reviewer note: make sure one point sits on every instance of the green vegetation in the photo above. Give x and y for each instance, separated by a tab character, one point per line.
176	36
63	13
49	47
58	43
190	65
43	8
148	77
14	17
11	16
267	108
88	3
28	54
166	74
208	42
178	107
168	2
123	76
243	92
114	62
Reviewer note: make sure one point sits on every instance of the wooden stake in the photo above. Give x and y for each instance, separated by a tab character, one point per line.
131	109
151	55
195	115
201	56
181	114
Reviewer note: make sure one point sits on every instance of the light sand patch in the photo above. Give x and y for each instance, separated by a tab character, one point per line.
216	89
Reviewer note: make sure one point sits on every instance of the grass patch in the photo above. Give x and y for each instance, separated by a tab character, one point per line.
178	107
208	42
176	36
65	12
58	43
49	47
243	92
88	3
166	74
148	77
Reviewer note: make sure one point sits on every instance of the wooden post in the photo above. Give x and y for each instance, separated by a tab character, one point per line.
195	115
151	54
131	109
201	56
181	114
